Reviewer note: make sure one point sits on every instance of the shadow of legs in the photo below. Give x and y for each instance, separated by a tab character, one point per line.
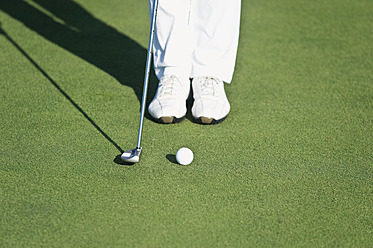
87	37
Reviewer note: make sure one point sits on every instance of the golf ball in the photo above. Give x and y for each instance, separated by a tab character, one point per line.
184	156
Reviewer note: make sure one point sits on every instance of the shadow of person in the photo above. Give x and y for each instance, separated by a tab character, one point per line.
87	37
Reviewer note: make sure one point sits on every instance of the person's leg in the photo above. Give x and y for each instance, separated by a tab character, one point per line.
215	24
172	60
172	40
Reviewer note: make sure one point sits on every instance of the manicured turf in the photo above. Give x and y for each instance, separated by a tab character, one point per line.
290	167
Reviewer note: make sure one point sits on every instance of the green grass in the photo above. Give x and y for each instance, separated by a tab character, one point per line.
290	167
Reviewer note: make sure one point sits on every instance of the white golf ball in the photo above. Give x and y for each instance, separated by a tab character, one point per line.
184	156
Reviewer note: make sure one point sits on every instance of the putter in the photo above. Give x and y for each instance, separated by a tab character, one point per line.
133	156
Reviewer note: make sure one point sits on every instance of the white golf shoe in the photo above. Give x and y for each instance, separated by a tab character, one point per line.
210	105
169	102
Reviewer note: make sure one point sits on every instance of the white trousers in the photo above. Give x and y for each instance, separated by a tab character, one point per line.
196	38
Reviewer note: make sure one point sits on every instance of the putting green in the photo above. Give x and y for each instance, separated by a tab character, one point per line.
291	166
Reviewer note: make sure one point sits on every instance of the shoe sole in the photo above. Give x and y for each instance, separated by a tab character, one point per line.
169	119
209	121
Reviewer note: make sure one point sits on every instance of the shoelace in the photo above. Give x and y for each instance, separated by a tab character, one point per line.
167	86
208	86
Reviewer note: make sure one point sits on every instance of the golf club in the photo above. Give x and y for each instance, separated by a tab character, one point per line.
133	156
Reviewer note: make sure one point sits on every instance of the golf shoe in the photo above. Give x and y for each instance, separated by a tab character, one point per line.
169	103
210	105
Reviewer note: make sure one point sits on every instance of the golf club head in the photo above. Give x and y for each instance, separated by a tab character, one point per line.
131	156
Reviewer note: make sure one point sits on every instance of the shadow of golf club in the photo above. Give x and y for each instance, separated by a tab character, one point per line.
85	36
59	89
119	160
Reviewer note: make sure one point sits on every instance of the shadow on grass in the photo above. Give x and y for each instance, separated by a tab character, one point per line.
171	158
60	90
119	161
87	37
80	33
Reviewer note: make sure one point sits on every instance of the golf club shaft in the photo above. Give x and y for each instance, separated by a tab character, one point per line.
147	70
